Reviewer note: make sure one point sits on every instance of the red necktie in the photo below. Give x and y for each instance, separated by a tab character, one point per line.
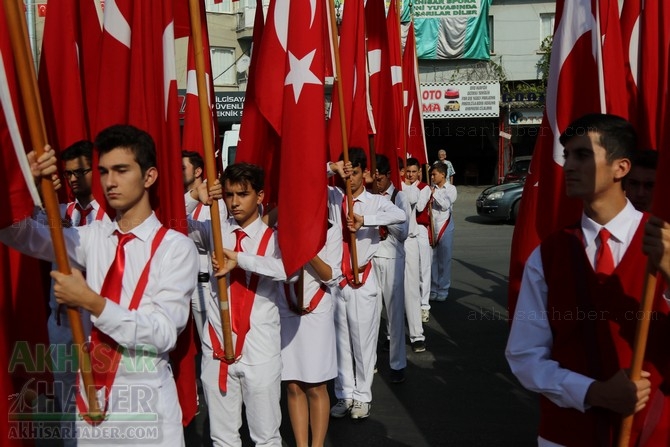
83	214
238	285
604	258
111	287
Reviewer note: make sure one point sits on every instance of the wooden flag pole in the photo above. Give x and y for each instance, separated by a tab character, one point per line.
345	143
640	345
210	169
28	85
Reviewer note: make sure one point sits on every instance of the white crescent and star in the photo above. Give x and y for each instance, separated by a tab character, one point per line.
299	73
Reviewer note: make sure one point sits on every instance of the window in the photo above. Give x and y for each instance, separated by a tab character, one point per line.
219	6
546	25
223	66
492	48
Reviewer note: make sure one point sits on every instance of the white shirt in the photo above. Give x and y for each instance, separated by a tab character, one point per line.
376	211
443	199
165	305
530	341
393	246
331	254
418	199
263	339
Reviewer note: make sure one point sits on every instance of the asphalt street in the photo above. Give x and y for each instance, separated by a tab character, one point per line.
459	392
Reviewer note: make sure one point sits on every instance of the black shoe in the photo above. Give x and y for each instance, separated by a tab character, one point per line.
419	346
397	375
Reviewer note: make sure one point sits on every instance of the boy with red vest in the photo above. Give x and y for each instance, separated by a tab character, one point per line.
578	305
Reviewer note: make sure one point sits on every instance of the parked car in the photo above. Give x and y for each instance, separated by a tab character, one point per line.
519	169
500	202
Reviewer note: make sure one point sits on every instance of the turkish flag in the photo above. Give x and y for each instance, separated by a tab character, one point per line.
22	297
391	131
572	91
138	87
353	75
290	90
377	48
68	70
192	133
258	143
416	137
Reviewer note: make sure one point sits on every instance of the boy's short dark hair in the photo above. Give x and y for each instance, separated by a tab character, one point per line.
401	164
245	174
357	158
617	135
83	148
441	167
645	158
129	137
383	165
412	161
194	158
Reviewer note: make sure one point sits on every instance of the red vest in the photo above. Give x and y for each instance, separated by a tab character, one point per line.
593	325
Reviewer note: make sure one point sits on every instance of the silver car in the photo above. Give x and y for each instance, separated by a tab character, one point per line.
500	202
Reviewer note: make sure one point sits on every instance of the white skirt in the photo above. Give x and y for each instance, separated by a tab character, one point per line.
308	345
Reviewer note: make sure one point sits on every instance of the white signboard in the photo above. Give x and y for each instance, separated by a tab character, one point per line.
446	8
471	100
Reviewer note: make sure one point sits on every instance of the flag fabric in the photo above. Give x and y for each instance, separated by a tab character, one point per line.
391	137
630	41
653	72
416	137
258	141
377	56
463	35
192	132
573	78
23	320
68	70
137	86
353	74
289	89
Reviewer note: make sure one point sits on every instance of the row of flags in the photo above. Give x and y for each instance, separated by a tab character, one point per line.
284	124
597	65
100	68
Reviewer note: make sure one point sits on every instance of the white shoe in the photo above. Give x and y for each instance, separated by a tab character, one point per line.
360	410
425	315
341	408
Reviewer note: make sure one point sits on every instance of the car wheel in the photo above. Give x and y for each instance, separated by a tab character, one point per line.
515	211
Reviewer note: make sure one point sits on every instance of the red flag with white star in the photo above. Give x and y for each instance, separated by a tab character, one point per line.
290	94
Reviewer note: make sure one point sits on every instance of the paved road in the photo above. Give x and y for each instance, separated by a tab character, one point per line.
460	391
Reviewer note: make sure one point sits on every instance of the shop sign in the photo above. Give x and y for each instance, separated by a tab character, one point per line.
467	100
228	106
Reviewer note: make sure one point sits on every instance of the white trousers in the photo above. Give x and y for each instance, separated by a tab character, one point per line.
356	330
390	272
255	386
413	289
425	265
441	271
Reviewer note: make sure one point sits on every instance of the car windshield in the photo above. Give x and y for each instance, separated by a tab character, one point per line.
521	166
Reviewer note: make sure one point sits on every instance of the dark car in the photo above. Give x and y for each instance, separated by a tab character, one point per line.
501	201
519	169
